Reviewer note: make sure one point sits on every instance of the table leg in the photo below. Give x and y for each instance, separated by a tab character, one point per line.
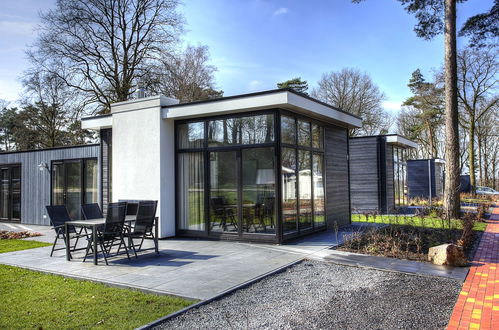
66	238
156	235
94	238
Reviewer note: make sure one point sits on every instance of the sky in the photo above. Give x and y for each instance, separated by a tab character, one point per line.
257	43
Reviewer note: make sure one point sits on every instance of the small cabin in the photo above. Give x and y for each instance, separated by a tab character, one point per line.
378	172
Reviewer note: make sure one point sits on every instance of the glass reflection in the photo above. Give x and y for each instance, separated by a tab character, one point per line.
191	135
223	192
288	130
243	130
289	193
191	186
305	189
258	183
319	215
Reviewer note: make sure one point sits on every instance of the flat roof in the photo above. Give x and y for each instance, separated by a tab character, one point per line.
278	98
396	139
48	149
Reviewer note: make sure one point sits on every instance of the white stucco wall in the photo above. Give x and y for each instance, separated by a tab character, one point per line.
143	157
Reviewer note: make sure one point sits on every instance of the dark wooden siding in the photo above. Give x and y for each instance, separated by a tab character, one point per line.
364	183
106	136
418	180
337	185
390	193
35	184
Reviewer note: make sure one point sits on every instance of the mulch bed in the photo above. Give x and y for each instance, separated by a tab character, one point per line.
17	234
404	242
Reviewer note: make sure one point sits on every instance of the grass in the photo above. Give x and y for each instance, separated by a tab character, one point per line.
35	300
427	222
10	245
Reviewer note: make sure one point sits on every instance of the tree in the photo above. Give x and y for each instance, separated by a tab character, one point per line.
435	17
301	86
105	46
427	107
482	27
7	127
478	71
184	75
355	92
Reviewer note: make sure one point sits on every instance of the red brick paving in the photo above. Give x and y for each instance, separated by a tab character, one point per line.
477	306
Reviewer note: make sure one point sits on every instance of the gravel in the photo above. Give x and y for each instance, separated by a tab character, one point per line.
319	295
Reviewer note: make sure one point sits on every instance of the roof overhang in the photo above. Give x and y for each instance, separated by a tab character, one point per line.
283	99
401	141
98	122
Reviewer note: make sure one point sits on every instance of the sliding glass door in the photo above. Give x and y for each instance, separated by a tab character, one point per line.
74	182
10	193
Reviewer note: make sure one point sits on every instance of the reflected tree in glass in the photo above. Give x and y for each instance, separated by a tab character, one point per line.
305	189
289	193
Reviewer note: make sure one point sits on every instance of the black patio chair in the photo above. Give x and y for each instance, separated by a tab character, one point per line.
111	234
91	211
222	212
58	215
144	224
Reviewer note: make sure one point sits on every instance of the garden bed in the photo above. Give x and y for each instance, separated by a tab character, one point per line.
405	242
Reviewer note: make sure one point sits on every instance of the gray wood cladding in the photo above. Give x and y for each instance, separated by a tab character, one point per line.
337	185
35	184
364	184
106	136
418	181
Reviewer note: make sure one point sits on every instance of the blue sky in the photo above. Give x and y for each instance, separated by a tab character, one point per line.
257	43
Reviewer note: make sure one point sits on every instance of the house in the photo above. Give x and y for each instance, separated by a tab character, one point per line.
425	178
32	179
267	166
378	172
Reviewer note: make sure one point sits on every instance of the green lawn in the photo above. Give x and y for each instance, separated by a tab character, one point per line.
9	245
428	222
33	300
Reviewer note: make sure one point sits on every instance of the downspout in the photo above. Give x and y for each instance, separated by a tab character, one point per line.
429	181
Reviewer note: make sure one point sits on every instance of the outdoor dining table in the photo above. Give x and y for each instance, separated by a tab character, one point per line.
93	224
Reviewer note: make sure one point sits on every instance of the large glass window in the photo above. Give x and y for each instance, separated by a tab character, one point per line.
10	192
288	130
191	135
258	185
224	191
304	133
243	130
318	186
74	182
302	175
289	190
399	176
191	191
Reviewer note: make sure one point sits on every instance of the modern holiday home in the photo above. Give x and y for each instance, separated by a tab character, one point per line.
378	172
266	166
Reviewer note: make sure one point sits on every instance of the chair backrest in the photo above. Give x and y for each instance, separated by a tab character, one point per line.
115	220
217	203
58	215
91	211
131	207
146	213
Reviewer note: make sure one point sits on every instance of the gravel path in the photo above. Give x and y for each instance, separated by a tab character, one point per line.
317	295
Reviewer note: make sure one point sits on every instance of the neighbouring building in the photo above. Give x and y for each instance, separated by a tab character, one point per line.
32	179
378	172
266	166
425	178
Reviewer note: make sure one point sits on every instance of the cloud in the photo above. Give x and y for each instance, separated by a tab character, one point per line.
392	106
255	85
281	11
17	28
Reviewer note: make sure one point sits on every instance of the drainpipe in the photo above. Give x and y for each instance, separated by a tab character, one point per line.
429	180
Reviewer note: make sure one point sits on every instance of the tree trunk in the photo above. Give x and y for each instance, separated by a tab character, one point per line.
471	154
451	193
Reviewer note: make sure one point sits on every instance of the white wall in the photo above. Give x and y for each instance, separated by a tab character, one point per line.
143	157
